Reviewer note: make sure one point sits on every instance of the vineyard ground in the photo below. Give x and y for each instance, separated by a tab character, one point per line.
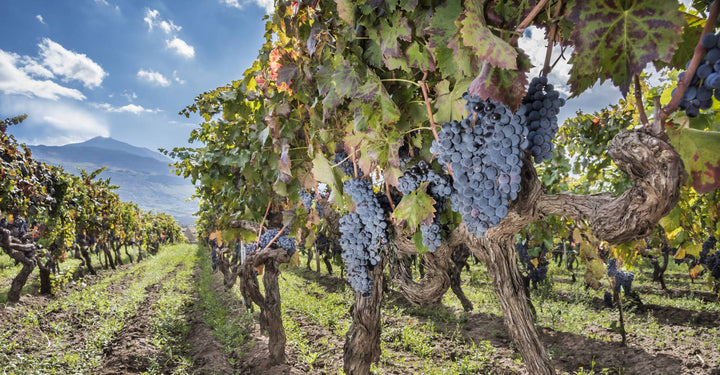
170	314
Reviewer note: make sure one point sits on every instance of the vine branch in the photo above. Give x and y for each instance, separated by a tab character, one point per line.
551	41
639	101
533	13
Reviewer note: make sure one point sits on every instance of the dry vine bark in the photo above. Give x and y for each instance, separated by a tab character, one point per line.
658	173
362	343
270	313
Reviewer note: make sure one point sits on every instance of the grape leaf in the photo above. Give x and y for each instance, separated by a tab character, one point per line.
701	156
346	11
615	39
391	31
415	208
450	54
504	85
346	79
486	45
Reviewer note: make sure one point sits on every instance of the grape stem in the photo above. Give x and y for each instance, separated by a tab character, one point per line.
639	101
533	13
682	85
433	126
387	192
264	217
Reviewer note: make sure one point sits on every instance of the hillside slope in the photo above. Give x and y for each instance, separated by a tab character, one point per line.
144	176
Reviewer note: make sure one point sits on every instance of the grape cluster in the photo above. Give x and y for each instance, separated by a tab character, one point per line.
287	243
439	189
608	299
541	106
363	233
538	274
706	81
710	261
522	250
307	200
623	279
485	153
346	166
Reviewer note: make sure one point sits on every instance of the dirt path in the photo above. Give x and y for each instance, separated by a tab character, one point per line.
207	355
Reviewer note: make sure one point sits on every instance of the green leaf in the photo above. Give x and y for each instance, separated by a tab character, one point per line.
615	39
325	173
701	155
415	208
417	239
391	31
486	45
420	58
449	104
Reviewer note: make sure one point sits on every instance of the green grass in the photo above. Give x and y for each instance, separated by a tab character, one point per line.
98	311
230	323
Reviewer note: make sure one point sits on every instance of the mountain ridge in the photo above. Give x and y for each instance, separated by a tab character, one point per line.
144	176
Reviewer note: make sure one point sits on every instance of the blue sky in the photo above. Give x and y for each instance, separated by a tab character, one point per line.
86	68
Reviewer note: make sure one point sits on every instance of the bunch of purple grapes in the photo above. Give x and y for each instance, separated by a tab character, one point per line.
706	82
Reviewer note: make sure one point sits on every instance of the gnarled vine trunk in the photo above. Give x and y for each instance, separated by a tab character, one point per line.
26	254
362	342
270	312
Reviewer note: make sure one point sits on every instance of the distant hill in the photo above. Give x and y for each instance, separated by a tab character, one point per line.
144	176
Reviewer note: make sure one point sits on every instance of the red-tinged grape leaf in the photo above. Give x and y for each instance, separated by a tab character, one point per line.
286	73
615	39
391	32
415	208
701	155
345	79
686	47
392	174
285	173
487	46
419	57
451	55
368	158
503	85
346	11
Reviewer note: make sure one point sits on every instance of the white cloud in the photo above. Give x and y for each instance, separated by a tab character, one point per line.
177	78
535	46
71	65
153	77
32	67
103	2
13	80
152	19
57	123
130	108
169	26
150	16
181	48
129	95
268	5
40	18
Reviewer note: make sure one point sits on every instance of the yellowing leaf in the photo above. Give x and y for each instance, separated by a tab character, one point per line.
680	254
535	262
695	271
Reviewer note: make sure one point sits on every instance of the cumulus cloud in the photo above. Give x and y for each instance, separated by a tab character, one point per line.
14	79
150	17
130	108
181	48
268	5
40	18
153	77
70	65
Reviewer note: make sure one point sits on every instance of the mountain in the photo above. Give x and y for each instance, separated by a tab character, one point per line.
144	176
